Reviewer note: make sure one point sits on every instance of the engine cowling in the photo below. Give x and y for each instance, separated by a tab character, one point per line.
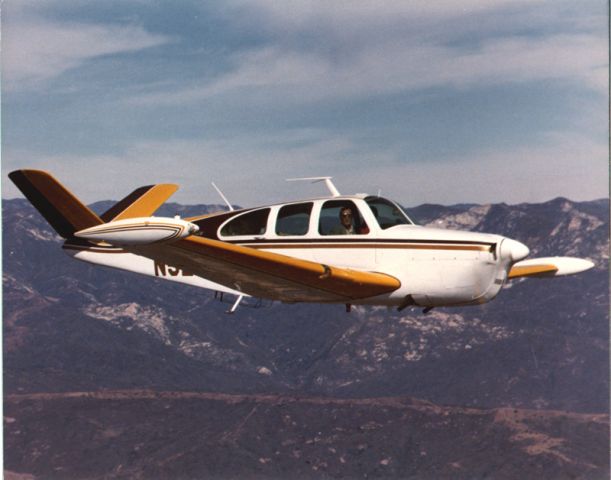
139	231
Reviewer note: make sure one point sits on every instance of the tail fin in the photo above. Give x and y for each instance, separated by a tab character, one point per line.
142	202
61	209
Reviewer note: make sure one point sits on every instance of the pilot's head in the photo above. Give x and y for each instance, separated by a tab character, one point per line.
345	216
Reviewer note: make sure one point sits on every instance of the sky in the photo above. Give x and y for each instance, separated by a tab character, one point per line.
426	102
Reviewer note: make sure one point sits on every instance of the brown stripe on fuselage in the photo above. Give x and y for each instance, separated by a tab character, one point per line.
359	239
352	245
408	246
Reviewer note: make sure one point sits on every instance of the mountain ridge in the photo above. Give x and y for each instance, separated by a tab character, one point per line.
541	346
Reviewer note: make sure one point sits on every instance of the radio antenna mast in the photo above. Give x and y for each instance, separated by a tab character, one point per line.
223	196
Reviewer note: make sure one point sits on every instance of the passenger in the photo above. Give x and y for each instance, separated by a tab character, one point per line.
346	226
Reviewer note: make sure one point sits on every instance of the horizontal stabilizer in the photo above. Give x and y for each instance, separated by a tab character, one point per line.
142	202
549	267
61	209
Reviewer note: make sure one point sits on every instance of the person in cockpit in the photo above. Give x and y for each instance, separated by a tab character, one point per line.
346	226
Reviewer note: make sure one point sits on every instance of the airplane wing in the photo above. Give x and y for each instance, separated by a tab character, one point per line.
268	275
549	267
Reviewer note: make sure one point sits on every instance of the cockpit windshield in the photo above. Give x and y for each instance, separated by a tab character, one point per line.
387	213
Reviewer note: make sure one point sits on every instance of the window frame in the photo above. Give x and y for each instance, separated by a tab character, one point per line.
410	222
346	201
311	215
220	235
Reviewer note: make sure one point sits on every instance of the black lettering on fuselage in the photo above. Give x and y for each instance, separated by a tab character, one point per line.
159	268
162	270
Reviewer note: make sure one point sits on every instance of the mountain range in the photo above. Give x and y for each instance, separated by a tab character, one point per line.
98	362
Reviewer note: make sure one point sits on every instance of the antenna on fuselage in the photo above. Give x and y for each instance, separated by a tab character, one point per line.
223	196
334	191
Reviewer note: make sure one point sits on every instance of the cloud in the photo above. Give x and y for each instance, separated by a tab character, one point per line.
37	50
574	166
304	14
313	51
388	68
193	164
266	67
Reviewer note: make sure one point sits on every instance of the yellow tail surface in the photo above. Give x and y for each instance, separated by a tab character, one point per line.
142	202
67	214
64	212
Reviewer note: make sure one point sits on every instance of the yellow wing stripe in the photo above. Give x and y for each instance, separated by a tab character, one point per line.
149	202
531	270
352	284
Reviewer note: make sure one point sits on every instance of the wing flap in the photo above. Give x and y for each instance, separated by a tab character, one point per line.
269	275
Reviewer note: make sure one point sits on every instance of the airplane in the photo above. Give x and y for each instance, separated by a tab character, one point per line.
339	249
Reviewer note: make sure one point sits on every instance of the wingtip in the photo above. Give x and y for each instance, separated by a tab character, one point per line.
588	264
551	266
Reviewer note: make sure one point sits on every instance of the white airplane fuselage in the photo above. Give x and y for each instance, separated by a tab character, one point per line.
436	267
351	249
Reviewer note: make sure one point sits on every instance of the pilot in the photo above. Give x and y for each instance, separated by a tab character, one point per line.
346	226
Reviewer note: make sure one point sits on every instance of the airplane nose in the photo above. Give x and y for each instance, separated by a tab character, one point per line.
513	250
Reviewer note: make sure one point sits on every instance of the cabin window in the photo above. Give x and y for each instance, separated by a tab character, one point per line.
387	213
251	223
294	219
341	217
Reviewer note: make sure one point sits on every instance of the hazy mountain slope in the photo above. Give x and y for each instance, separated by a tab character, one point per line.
142	435
541	343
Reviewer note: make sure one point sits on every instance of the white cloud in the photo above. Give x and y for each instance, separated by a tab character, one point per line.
260	163
304	13
251	170
318	50
302	76
36	50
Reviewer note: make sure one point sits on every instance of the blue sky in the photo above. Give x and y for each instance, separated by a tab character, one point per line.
441	102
